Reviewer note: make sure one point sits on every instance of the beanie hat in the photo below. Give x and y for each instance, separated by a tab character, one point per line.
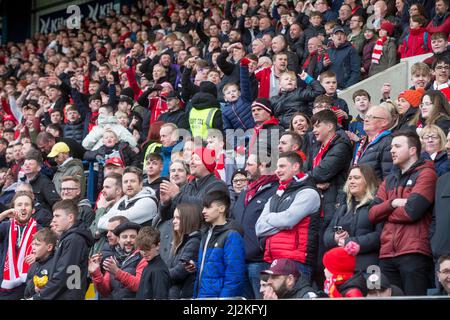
414	97
208	157
263	103
208	87
127	92
388	26
341	261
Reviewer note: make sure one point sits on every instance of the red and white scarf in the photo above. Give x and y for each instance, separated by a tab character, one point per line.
219	172
16	269
378	50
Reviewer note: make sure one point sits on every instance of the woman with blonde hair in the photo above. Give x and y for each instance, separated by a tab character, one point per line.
351	220
433	148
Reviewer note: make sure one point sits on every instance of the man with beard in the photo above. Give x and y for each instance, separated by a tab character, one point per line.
123	270
246	212
286	282
269	78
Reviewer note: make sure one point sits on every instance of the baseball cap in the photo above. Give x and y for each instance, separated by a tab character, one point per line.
280	267
58	148
338	29
115	161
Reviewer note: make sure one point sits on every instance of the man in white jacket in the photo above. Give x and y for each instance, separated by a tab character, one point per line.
106	120
139	204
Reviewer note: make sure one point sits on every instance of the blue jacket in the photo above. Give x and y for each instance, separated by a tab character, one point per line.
346	63
441	162
238	115
357	126
221	268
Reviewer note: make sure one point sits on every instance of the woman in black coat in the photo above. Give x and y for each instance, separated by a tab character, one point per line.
187	221
351	220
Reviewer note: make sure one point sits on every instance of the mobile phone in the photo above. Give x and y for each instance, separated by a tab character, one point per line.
338	229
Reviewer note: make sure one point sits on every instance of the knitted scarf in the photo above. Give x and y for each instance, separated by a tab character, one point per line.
378	50
254	186
19	246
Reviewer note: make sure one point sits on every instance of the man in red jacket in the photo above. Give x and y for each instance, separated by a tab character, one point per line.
441	21
404	203
269	78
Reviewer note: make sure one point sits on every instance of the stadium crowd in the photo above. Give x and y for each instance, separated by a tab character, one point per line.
199	149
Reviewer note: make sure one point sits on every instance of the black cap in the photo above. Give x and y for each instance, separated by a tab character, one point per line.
208	87
338	29
263	103
126	226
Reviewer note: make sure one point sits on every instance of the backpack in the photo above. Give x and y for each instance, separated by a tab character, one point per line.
425	41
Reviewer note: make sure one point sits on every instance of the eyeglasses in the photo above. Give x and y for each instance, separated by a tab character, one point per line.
239	180
432	137
442	68
371	117
68	189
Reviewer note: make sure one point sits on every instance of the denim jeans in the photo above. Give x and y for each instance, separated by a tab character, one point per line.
254	269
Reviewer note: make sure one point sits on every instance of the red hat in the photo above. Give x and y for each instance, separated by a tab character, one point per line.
115	161
342	260
8	117
282	267
414	97
208	157
388	26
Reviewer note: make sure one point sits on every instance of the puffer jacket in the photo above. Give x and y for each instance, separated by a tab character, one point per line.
289	224
221	262
333	170
441	162
238	115
287	103
74	131
378	155
182	281
93	140
406	229
356	222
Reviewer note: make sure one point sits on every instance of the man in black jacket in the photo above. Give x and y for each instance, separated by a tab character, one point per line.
246	212
175	113
68	280
286	282
202	167
43	188
329	161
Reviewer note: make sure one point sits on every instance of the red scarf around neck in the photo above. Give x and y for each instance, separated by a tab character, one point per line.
258	129
323	149
284	184
254	186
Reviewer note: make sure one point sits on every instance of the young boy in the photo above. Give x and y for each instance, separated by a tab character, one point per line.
155	279
292	98
441	72
74	128
154	168
361	99
43	248
328	80
221	269
420	76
